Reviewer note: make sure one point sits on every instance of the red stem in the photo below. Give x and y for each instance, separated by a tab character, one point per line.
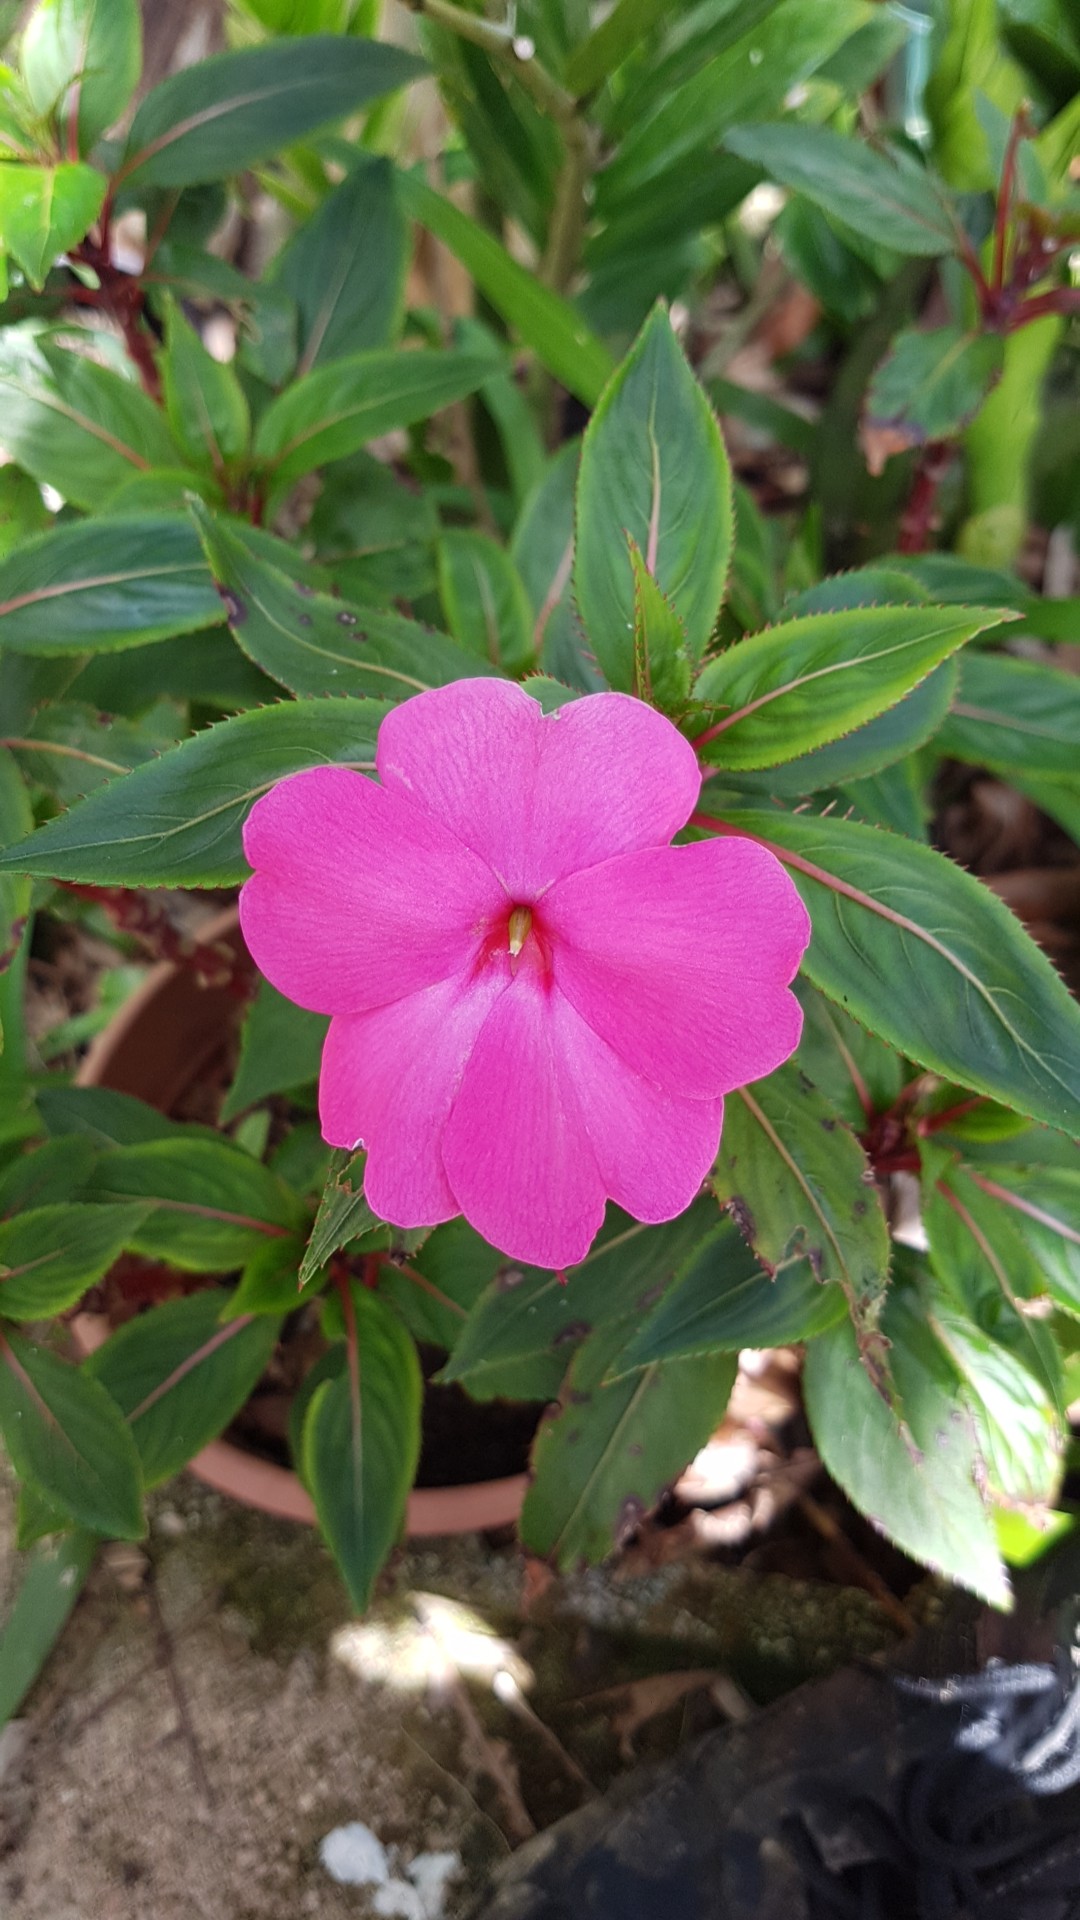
1062	300
1005	198
970	260
125	299
918	517
934	1122
73	124
904	1161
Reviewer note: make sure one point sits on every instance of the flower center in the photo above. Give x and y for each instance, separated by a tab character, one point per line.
518	929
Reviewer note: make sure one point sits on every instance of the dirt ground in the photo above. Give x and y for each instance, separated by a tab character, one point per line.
212	1713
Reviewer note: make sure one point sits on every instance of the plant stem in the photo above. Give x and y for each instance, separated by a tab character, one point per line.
568	214
1006	189
503	43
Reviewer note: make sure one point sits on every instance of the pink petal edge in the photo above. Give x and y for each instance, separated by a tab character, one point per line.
680	958
358	898
540	795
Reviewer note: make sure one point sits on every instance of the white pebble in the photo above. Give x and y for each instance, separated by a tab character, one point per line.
395	1900
354	1856
431	1874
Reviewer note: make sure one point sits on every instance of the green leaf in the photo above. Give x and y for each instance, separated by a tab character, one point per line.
23	512
895	799
337	409
36	1518
343	1213
528	1310
204	401
106	1118
977	1245
931	961
15	817
204	667
223	114
442	1281
1023	1541
1016	716
64	1434
344	1219
110	583
313	643
752	591
559	337
49	1256
801	1188
50	1172
73	424
682	54
52	1580
878	744
361	1443
543	551
723	1301
765	415
269	1282
45	211
280	1048
602	1463
891	198
947	577
652	466
809	681
177	821
207	1204
1045	36
609	44
72	749
863	58
661	665
821	257
745	77
345	268
1007	1363
856	1072
931	384
178	1374
376	534
911	1468
513	412
81	61
1028	1215
551	694
514	145
484	599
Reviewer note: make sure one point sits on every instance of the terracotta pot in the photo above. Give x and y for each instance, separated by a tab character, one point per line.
156	1048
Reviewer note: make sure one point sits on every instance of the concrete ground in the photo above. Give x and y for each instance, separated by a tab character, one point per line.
212	1713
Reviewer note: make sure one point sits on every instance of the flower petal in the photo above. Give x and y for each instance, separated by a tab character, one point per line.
652	1149
358	898
540	795
679	957
515	1149
388	1081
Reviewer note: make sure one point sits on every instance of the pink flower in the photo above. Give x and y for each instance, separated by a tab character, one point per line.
538	1002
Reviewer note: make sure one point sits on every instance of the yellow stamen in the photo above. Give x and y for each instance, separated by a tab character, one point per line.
520	923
